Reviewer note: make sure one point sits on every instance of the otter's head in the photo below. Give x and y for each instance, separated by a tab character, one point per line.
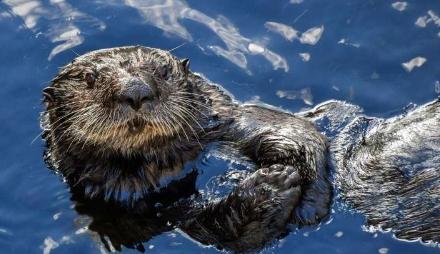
120	99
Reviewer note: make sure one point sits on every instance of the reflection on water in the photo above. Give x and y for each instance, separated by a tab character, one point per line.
60	22
311	36
344	41
400	6
62	18
164	14
168	15
304	94
288	32
413	63
305	56
431	17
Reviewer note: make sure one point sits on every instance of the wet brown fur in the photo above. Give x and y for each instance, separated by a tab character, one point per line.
107	150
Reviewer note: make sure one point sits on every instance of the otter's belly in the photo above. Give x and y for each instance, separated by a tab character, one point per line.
390	171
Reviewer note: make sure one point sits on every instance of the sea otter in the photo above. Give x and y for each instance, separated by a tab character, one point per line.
119	120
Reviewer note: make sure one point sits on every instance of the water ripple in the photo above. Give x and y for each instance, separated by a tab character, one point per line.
288	32
413	63
167	15
63	18
430	17
400	6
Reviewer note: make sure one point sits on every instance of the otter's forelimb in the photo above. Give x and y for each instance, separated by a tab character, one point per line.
273	137
290	184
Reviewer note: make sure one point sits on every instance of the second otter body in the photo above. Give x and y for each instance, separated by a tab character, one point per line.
119	120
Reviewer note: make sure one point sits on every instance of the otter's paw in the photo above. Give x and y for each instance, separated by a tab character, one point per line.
278	177
255	213
277	186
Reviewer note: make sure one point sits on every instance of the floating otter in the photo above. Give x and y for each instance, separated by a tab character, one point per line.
120	120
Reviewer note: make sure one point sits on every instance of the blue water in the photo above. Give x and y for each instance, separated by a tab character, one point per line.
350	50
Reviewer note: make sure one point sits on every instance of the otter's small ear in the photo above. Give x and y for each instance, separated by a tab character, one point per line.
48	94
185	65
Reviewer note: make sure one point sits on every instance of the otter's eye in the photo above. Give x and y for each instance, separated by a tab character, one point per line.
90	79
164	71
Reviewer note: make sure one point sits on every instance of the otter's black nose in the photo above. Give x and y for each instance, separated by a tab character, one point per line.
136	92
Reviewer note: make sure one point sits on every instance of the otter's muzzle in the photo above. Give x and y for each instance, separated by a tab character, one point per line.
135	93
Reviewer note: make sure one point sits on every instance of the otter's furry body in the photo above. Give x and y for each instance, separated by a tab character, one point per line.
392	174
109	146
388	169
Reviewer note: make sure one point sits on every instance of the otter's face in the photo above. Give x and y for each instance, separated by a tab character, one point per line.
120	98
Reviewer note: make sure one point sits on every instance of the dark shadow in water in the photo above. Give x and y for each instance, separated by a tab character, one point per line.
130	227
